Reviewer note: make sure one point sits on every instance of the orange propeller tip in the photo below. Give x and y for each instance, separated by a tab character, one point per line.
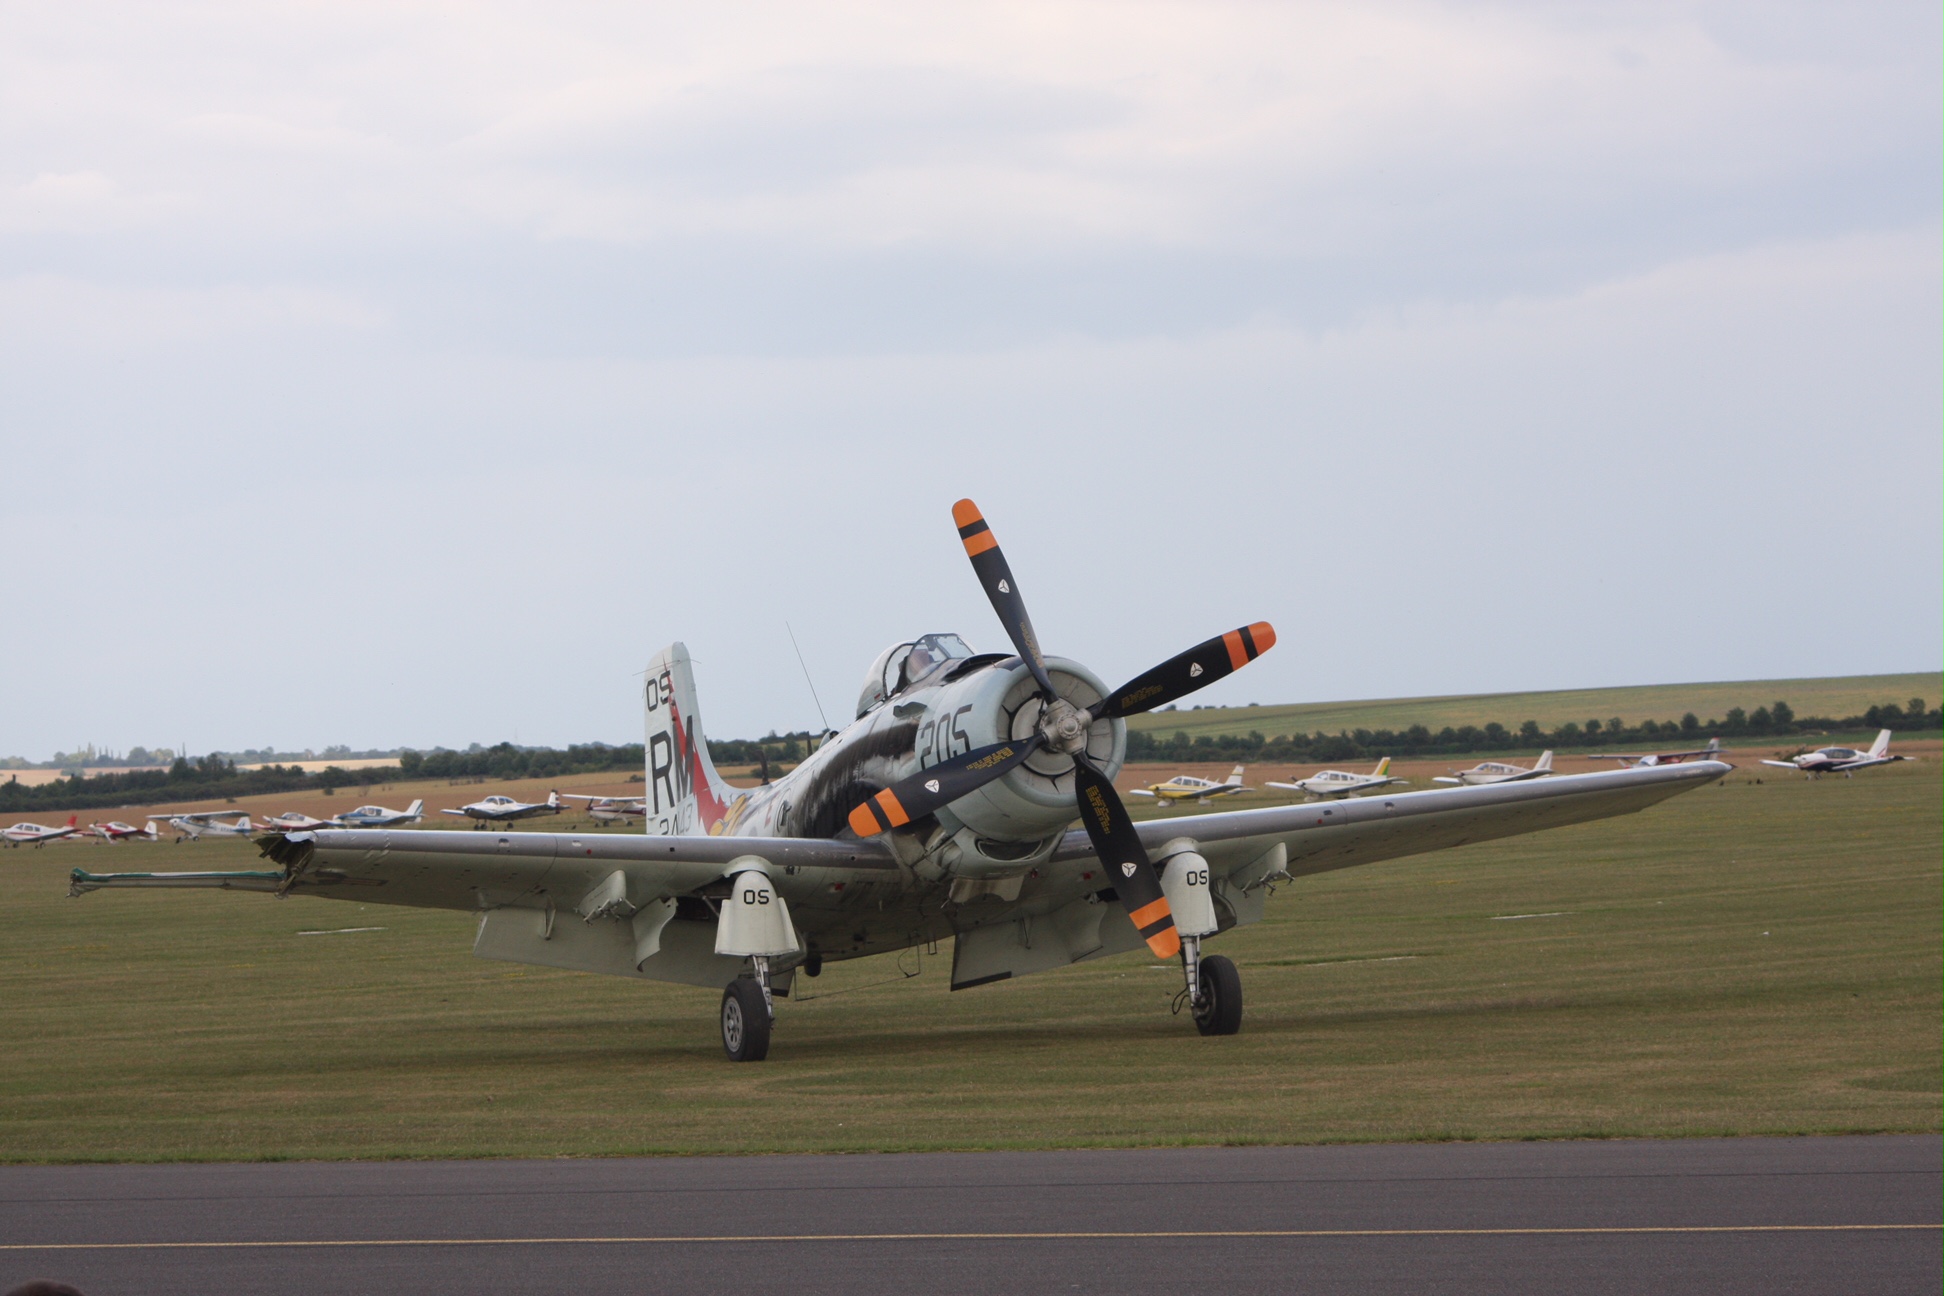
863	822
1264	635
965	513
1165	944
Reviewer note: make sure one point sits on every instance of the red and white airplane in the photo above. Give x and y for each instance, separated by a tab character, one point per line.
25	834
610	809
117	831
1846	760
207	823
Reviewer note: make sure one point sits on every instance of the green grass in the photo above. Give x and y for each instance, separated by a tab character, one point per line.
1748	958
1836	697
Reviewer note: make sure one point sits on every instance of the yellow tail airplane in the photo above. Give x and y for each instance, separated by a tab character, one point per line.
1186	787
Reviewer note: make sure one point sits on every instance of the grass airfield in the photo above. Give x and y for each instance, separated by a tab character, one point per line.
1757	957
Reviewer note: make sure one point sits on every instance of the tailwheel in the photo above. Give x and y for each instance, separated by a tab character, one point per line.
745	1021
1218	1008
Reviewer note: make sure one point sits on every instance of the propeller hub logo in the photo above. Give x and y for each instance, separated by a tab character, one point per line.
1004	588
1194	670
931	785
1127	869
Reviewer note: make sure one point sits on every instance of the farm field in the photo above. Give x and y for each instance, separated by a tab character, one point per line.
1836	696
1759	956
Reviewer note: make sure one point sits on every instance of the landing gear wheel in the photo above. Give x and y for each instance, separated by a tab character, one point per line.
745	1022
1220	1009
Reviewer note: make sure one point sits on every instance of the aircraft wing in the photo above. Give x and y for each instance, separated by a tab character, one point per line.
1787	765
1288	787
1439	779
1319	837
461	813
466	869
201	816
1139	792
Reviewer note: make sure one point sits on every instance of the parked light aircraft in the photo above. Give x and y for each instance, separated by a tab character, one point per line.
207	823
1186	787
377	816
610	809
32	834
1336	783
1844	760
294	821
1711	752
945	810
1499	772
504	809
117	831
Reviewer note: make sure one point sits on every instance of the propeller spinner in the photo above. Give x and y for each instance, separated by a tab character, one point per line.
1062	728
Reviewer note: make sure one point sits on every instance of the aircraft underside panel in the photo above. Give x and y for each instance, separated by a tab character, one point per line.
563	940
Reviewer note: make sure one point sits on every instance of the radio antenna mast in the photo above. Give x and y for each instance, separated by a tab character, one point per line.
806	678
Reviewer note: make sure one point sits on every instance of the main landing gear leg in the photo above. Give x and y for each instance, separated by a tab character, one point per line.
1214	988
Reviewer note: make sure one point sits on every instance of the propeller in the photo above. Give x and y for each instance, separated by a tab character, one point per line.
1063	727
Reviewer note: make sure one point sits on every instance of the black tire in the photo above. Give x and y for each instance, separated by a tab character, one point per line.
745	1022
1221	1009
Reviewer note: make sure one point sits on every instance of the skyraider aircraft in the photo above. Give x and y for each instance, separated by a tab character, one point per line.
1336	783
1831	760
945	810
1186	787
32	834
207	823
1711	752
376	816
504	809
1498	772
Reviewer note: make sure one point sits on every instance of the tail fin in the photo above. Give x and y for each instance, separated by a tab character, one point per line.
1714	745
73	818
1235	776
1545	761
685	795
1383	767
415	809
1877	748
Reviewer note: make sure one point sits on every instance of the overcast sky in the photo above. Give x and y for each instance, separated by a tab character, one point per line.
381	374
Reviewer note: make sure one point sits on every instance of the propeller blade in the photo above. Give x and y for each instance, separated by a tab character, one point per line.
982	547
943	783
1119	847
1181	675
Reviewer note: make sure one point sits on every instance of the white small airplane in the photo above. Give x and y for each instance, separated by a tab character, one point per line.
1335	783
377	816
208	823
295	821
1711	752
610	809
504	809
117	831
1497	772
1829	760
32	834
1186	787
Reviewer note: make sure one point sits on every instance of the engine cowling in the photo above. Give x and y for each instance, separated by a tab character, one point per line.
1000	702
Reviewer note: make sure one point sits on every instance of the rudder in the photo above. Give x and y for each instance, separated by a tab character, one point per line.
685	796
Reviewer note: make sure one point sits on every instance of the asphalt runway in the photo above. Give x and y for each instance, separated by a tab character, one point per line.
1730	1215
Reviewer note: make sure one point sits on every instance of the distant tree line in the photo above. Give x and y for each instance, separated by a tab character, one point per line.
210	778
216	777
1775	720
